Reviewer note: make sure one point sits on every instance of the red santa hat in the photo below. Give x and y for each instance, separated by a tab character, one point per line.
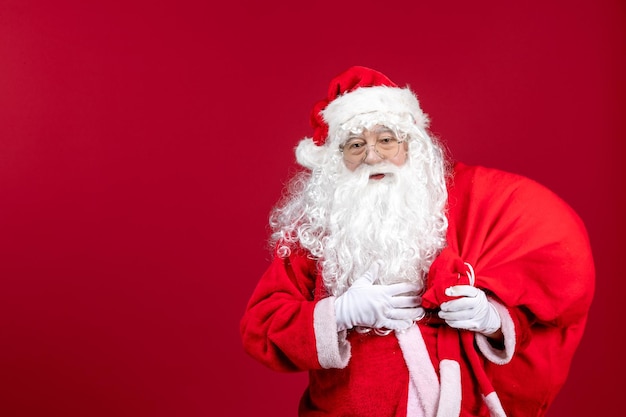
358	97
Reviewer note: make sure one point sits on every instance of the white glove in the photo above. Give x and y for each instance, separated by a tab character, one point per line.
472	311
378	306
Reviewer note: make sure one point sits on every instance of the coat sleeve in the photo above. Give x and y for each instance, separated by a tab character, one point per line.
286	327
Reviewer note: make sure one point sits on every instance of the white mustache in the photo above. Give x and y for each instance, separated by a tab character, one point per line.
380	168
363	173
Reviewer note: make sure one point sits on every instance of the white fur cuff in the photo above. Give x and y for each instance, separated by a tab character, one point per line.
333	350
499	356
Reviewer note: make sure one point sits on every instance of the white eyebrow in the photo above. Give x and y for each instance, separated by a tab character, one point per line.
355	136
383	129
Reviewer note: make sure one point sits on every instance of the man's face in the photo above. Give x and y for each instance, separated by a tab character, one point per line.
372	147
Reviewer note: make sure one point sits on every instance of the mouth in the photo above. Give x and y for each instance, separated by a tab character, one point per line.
377	177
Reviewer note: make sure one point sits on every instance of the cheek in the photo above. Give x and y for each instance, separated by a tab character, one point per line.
351	167
400	159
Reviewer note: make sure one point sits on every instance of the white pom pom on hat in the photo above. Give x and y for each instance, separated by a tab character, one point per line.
310	155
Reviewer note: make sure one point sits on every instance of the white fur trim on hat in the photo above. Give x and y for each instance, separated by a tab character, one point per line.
378	100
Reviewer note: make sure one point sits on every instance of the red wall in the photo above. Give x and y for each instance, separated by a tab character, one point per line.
142	145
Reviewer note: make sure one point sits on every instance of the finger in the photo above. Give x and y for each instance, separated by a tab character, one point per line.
364	281
406	301
463	324
459	304
372	273
405	313
397	324
455	316
401	288
462	291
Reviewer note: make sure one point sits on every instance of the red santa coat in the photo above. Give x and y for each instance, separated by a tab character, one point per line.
529	252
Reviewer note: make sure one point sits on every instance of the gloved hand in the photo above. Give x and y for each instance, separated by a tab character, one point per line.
378	306
472	311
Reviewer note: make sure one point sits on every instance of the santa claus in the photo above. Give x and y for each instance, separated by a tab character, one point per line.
408	285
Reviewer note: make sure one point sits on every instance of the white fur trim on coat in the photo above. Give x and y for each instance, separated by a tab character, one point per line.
499	356
450	396
333	350
421	370
413	406
494	405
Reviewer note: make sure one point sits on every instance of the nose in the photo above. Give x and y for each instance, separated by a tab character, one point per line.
371	156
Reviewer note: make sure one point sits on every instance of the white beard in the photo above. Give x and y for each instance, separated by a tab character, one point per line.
398	220
348	221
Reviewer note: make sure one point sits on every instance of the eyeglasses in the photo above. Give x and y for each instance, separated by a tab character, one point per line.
355	150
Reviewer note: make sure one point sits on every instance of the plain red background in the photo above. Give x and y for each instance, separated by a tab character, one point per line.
142	145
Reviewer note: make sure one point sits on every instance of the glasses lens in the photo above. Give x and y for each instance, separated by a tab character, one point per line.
387	147
354	151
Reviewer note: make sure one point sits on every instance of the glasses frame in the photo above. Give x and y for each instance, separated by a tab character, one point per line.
367	149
